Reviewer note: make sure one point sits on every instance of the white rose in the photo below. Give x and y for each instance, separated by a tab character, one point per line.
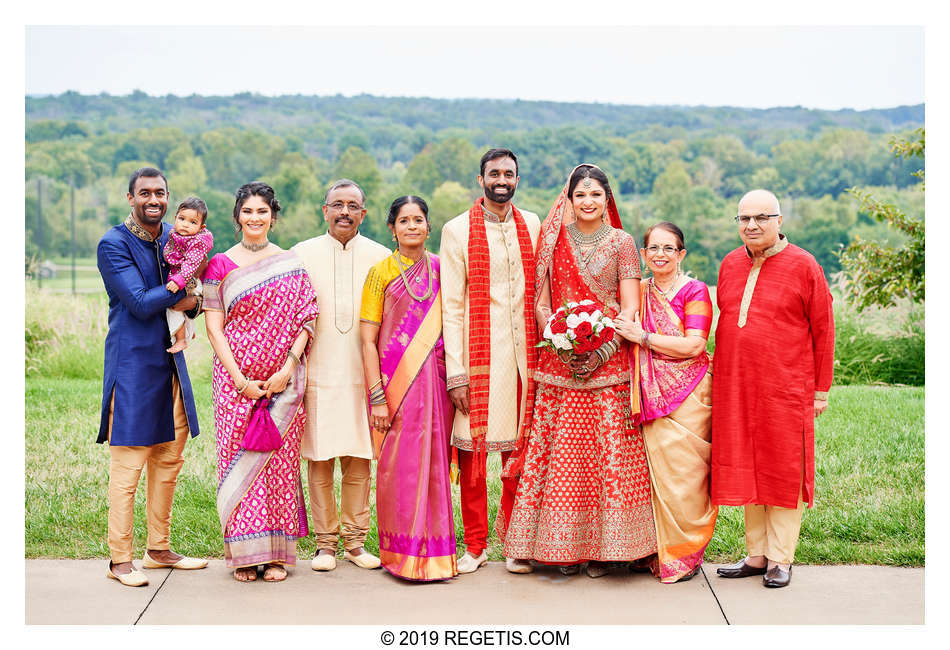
571	305
547	332
598	328
608	323
586	302
596	316
573	320
561	342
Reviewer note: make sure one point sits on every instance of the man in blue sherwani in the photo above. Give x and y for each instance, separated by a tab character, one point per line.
147	404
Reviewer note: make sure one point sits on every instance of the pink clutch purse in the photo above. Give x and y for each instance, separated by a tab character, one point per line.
261	433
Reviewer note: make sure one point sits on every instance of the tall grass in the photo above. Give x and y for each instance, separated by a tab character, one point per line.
879	346
65	334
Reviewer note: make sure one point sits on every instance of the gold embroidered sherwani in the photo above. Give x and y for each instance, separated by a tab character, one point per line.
509	355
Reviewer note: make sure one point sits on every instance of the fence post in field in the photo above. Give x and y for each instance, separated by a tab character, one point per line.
39	229
72	229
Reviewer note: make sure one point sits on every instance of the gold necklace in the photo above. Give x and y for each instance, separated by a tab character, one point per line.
405	280
583	240
668	291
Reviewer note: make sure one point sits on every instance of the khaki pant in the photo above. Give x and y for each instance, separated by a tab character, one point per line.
773	531
354	498
161	463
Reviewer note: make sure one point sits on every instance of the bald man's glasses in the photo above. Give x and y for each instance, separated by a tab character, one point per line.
760	219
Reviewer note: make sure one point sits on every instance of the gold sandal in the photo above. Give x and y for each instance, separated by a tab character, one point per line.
249	574
275	573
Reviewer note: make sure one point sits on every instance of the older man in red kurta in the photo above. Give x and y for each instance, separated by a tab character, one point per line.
772	371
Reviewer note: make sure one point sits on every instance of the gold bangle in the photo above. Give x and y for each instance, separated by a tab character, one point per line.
291	355
378	383
247	382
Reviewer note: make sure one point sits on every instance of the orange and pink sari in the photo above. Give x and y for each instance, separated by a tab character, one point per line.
675	396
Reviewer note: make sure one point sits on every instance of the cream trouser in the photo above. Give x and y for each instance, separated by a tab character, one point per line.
773	531
354	498
161	463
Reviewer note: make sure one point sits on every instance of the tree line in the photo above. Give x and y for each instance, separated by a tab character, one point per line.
684	164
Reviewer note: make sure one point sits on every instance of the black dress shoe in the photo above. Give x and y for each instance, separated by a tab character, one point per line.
777	577
739	570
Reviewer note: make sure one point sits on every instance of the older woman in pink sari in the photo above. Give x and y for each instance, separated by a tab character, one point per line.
675	392
404	363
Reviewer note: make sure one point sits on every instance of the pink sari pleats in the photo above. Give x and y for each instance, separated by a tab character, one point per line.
413	495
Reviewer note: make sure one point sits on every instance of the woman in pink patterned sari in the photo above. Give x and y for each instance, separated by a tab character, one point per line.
259	311
404	363
676	406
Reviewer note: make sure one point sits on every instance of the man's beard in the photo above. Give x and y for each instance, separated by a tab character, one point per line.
499	198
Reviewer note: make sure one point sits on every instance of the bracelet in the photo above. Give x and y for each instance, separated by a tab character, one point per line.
645	340
377	397
247	382
296	359
607	350
378	383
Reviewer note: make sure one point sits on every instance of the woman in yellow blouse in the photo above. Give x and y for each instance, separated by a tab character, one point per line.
404	362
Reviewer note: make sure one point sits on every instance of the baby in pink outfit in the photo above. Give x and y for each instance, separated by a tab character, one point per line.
188	246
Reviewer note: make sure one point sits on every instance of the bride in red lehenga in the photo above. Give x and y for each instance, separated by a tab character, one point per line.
584	493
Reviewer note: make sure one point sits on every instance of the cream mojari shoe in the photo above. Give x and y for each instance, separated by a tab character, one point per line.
134	578
514	565
469	564
323	562
364	560
186	563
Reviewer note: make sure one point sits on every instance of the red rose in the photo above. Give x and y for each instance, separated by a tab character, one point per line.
586	309
584	345
559	326
606	334
583	329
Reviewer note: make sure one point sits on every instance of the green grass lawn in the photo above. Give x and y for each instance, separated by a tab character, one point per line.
869	474
869	480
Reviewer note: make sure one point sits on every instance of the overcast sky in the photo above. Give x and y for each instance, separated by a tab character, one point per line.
817	67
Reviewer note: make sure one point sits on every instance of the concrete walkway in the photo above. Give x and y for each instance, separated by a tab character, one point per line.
77	592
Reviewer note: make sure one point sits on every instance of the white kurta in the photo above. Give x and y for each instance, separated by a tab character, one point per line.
509	353
335	400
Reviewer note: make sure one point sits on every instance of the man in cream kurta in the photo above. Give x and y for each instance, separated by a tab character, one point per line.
335	400
508	375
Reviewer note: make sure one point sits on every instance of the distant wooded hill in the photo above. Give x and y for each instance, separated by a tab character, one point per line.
684	164
195	113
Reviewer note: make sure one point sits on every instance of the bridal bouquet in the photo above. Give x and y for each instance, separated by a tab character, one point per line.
577	328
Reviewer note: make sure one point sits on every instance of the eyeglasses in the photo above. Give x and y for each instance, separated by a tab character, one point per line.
337	206
668	250
760	219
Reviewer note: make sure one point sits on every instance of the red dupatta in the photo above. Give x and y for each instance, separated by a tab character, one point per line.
479	326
